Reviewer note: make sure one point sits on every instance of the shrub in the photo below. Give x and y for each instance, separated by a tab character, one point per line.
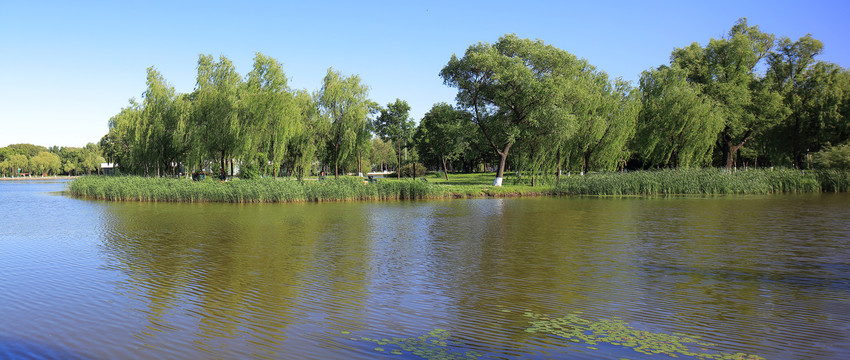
833	157
407	170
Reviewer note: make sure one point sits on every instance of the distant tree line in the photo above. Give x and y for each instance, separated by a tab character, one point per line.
747	99
18	159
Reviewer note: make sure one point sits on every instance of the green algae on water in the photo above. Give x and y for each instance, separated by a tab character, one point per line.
433	346
575	328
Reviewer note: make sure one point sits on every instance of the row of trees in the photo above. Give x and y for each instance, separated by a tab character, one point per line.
257	122
747	98
18	159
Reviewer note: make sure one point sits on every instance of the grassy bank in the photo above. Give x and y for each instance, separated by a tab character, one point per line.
665	182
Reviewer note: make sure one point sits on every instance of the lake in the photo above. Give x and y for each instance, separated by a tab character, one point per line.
538	278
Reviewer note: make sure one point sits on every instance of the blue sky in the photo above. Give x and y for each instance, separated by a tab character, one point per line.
68	66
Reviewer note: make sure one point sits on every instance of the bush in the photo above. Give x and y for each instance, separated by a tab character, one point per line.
407	170
249	171
833	157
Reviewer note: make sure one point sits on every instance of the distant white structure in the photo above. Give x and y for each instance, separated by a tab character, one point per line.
109	168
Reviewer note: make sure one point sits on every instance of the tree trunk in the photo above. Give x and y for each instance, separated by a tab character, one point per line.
223	165
503	156
729	148
586	161
445	171
398	162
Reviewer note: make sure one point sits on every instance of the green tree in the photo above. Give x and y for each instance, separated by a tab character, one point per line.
18	163
725	69
216	114
382	153
29	150
161	128
394	125
813	93
45	163
444	132
120	145
678	124
304	143
605	115
271	114
344	103
91	158
512	89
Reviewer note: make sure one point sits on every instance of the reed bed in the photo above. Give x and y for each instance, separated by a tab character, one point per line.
133	188
706	181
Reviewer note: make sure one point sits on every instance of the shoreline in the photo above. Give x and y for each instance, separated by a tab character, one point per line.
704	182
38	178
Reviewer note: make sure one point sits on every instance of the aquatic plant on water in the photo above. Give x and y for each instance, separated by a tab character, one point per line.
574	328
435	345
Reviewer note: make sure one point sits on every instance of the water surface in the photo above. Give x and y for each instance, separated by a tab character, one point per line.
761	275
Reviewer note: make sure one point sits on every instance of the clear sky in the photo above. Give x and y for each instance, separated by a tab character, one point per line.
68	66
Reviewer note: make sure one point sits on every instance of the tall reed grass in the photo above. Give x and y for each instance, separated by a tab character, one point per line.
706	181
132	188
692	181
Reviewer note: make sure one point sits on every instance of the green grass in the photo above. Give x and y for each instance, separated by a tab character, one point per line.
707	181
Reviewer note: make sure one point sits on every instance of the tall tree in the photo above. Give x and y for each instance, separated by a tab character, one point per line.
394	125
382	153
509	86
344	103
444	133
725	69
678	124
216	107
271	115
813	93
162	126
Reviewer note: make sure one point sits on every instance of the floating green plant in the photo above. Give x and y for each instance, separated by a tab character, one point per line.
618	333
433	345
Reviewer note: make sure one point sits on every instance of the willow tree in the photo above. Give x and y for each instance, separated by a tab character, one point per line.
345	105
161	128
271	116
216	107
814	93
678	124
725	69
507	86
119	145
605	116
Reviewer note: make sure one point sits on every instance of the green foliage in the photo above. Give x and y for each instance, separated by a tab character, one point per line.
394	126
444	134
344	103
382	153
28	150
45	163
707	181
412	170
216	112
249	171
725	71
678	124
833	157
647	183
132	188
